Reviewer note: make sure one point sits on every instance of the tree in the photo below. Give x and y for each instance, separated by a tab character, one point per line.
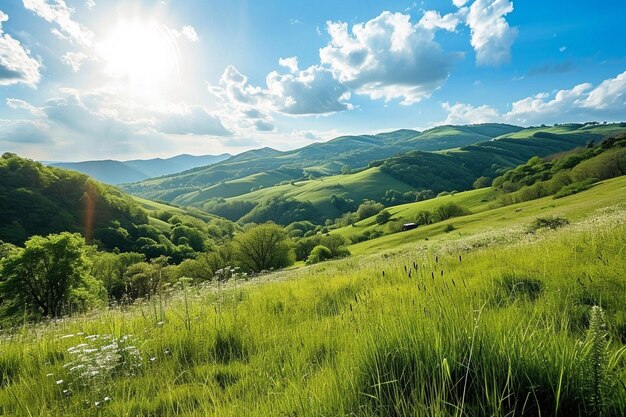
482	182
318	254
263	247
383	217
368	208
44	275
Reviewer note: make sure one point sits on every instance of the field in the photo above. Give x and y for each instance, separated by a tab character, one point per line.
487	214
486	320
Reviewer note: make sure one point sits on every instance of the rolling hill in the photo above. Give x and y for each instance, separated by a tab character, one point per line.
315	160
449	170
119	172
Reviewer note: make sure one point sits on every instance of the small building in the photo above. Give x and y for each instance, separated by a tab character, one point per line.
409	226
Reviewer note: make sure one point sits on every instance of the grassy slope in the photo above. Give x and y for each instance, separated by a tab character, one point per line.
368	184
236	187
340	339
604	194
325	158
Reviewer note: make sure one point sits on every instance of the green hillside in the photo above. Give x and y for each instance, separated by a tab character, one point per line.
318	159
40	200
458	169
371	184
487	317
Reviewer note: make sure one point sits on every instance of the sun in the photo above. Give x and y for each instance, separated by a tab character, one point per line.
142	52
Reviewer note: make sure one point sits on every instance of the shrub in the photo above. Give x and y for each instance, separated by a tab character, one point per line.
318	254
449	210
383	217
549	222
575	188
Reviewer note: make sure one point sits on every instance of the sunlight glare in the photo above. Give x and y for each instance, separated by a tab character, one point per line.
145	53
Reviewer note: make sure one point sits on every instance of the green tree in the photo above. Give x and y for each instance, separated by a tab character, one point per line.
368	208
318	254
263	247
482	182
46	273
383	217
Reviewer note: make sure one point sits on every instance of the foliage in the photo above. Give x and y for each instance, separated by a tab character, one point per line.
263	247
383	217
231	210
281	211
368	208
549	222
48	276
448	210
318	254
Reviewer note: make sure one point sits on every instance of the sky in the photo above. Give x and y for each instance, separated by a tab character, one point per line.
127	79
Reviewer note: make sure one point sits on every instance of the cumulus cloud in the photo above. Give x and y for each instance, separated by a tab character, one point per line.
581	103
491	35
462	114
90	4
291	63
387	58
16	63
74	60
433	20
310	91
59	13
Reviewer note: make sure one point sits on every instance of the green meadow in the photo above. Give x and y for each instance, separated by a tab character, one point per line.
490	319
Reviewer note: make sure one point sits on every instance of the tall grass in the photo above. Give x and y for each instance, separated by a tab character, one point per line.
510	329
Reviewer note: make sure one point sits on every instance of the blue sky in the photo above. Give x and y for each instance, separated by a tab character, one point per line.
95	79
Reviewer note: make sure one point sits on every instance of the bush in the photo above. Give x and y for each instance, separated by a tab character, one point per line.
448	210
318	254
369	208
383	217
575	188
550	222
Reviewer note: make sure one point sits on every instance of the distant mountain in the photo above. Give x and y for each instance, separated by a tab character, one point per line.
315	160
119	172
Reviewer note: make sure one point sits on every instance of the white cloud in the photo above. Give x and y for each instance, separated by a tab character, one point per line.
59	13
462	114
291	63
188	32
90	4
459	3
581	103
541	107
18	104
310	91
433	20
387	58
492	37
16	63
74	60
609	95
